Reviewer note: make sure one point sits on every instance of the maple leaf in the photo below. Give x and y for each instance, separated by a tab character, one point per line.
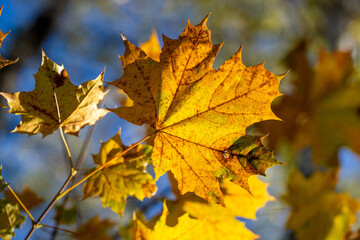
10	217
198	112
318	212
95	229
323	110
27	196
56	102
126	176
3	61
206	222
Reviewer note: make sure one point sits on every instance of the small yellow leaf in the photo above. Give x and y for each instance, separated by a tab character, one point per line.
198	112
152	47
126	176
56	102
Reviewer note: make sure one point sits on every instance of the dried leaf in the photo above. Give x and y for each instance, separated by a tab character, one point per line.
27	196
126	176
198	112
56	102
3	61
95	229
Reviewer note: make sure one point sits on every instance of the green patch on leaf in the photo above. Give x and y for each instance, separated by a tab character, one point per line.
250	150
225	173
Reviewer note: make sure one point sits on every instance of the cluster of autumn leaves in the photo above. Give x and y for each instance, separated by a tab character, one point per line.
199	118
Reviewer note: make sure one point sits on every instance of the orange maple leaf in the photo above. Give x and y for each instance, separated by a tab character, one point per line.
198	112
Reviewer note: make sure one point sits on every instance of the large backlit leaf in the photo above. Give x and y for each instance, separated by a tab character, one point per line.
198	112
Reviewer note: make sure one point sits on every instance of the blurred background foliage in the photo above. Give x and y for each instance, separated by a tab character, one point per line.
84	35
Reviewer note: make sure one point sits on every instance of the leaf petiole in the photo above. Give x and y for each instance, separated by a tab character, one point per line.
19	201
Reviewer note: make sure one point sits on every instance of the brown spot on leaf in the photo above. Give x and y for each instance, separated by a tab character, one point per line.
60	79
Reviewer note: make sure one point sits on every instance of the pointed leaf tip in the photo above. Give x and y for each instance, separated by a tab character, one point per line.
123	36
204	21
43	57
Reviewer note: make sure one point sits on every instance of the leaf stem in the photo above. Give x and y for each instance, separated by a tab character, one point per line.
101	167
19	201
62	134
67	148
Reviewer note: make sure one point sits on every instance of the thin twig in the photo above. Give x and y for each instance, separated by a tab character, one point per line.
60	229
71	175
78	164
37	224
19	201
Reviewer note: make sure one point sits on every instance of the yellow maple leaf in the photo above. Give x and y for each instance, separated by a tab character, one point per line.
318	212
198	112
126	176
56	102
206	222
4	61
